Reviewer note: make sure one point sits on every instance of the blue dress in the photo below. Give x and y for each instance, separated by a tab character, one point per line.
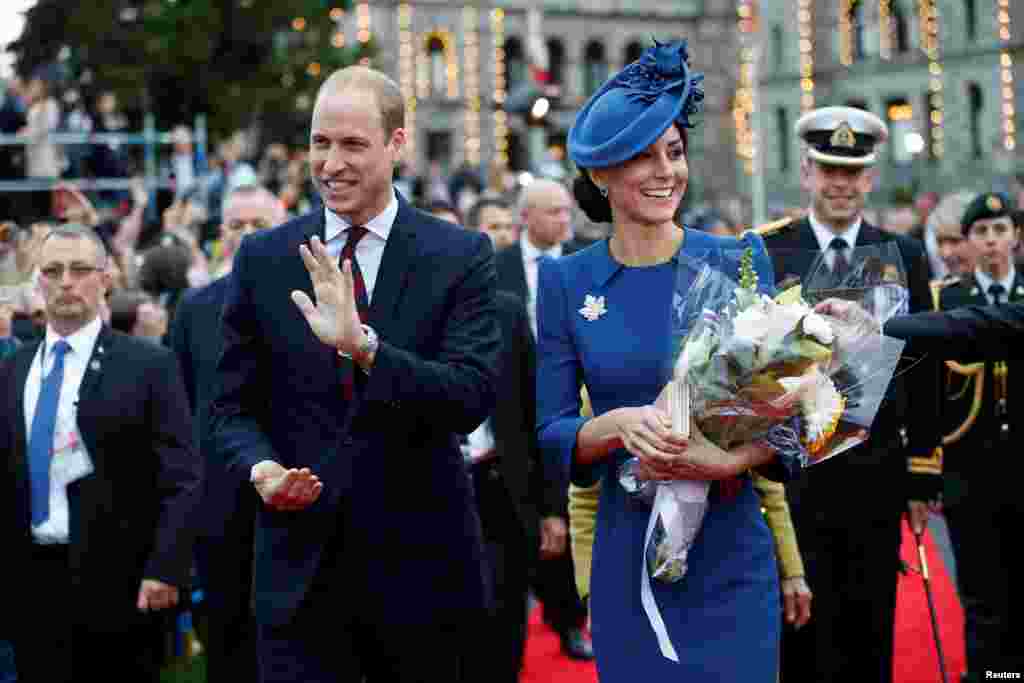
723	617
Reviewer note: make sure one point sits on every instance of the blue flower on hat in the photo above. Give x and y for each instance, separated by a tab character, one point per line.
635	107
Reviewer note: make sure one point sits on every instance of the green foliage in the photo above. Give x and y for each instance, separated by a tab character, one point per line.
234	60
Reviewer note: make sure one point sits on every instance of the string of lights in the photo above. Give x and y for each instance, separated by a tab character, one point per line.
805	21
1006	76
500	88
471	70
407	74
928	16
743	103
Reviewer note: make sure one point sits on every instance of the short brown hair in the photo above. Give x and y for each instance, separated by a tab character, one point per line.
388	94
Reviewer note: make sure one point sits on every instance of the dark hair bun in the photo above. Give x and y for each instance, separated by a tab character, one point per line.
594	205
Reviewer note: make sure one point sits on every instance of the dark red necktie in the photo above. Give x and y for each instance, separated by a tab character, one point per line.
348	253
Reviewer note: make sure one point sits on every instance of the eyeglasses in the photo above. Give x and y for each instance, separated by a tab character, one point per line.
79	271
256	224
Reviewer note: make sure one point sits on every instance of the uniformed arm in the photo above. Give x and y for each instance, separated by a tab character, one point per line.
776	513
971	333
923	384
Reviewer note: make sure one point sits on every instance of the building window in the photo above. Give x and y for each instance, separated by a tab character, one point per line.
971	19
778	46
438	66
975	105
515	65
633	52
556	61
595	67
439	147
858	27
900	31
782	134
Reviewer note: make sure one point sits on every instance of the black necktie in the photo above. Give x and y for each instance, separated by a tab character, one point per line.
997	291
840	264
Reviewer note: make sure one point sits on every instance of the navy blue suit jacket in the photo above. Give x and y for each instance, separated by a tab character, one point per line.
396	496
133	517
195	336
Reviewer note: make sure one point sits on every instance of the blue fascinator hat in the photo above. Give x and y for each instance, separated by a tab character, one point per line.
636	106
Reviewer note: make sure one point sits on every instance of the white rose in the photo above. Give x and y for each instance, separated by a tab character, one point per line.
817	327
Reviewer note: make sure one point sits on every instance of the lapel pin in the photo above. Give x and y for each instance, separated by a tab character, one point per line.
975	291
1019	291
593	307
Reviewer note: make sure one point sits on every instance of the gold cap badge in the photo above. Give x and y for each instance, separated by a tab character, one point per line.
994	203
843	137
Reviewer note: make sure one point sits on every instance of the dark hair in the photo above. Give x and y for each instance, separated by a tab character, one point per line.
436	206
1018	218
592	202
473	217
124	309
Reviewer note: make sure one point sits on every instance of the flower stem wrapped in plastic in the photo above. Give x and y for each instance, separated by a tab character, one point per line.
753	368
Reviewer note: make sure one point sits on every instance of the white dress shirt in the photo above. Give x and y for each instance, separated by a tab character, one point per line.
985	281
825	235
531	255
370	250
67	441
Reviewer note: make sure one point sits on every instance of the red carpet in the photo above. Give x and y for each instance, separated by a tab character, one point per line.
915	660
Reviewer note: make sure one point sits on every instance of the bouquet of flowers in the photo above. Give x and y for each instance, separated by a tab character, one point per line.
750	367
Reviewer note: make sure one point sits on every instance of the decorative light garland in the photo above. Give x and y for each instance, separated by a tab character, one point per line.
805	21
845	33
407	75
500	88
471	69
885	29
1006	77
928	15
743	104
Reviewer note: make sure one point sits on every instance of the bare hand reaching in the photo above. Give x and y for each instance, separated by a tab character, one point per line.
286	490
334	317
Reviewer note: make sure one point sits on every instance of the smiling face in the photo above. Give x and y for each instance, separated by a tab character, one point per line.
351	156
838	193
647	189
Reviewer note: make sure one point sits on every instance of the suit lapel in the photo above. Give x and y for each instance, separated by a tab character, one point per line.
96	367
1017	291
399	259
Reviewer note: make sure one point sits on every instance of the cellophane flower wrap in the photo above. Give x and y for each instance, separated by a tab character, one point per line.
755	368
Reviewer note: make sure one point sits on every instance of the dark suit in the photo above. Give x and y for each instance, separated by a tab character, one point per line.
225	532
512	494
390	553
851	547
131	519
554	580
983	501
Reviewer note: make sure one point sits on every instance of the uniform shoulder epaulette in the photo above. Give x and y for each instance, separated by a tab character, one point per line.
771	228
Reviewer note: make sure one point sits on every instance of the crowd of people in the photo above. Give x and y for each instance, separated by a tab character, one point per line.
363	411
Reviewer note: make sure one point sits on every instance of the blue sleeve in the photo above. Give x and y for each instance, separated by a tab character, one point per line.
559	378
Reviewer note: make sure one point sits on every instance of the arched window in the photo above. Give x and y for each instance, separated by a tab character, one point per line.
858	27
900	30
438	66
595	66
515	65
975	105
971	19
782	133
633	51
556	61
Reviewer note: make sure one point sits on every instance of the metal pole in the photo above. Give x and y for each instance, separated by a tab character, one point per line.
925	576
149	157
200	141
